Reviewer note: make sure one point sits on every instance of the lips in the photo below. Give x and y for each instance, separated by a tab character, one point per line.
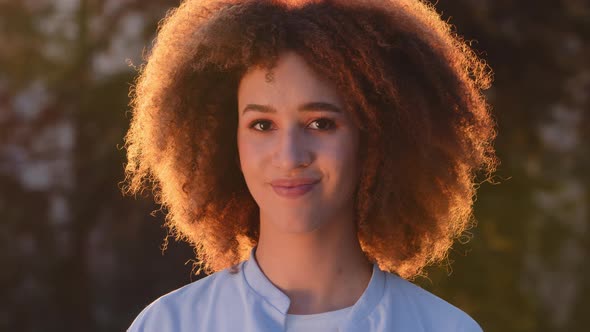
293	182
291	188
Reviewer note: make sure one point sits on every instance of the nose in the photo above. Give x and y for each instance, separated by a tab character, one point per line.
293	150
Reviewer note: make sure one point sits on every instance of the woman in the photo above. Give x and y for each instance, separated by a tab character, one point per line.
356	128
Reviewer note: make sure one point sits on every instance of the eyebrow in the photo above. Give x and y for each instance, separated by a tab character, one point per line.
307	107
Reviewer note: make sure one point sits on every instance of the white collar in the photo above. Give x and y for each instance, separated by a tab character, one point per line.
260	284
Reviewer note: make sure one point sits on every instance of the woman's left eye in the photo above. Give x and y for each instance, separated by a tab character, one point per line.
322	124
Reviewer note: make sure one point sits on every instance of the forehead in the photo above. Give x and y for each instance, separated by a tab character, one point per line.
291	81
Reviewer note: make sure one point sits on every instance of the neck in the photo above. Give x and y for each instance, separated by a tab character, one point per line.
319	271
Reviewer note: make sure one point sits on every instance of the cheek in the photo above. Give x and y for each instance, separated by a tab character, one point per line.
343	152
247	164
344	162
251	152
245	152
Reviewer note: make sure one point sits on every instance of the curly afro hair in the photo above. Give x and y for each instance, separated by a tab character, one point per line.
412	85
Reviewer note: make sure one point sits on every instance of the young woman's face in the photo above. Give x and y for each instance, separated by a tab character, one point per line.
297	146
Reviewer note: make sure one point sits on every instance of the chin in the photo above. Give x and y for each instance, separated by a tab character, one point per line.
296	224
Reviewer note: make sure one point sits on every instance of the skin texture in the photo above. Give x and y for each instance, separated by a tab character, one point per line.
291	143
308	245
412	87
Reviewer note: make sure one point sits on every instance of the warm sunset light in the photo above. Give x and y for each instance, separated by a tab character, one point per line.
294	165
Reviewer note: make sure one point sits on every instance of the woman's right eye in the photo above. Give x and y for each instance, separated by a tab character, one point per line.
260	125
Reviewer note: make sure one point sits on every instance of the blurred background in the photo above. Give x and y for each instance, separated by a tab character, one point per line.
75	255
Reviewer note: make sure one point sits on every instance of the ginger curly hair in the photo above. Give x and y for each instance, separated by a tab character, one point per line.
412	85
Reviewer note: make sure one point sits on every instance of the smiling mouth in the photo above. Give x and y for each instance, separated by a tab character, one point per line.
293	191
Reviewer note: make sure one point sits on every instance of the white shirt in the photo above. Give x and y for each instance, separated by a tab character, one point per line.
248	301
322	322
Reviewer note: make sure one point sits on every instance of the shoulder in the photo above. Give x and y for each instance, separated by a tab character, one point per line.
434	313
180	307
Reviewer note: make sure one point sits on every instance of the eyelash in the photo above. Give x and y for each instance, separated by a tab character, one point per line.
331	124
